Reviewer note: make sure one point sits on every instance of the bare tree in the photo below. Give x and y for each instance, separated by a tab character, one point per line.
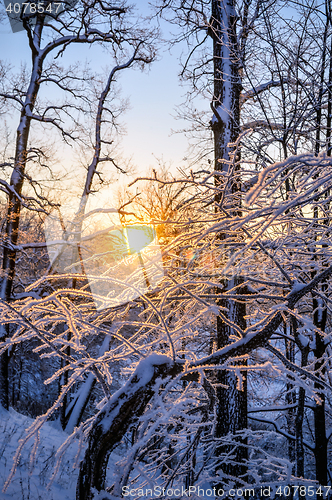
89	23
180	417
258	78
171	396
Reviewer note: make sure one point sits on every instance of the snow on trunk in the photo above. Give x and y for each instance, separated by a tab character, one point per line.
113	421
15	200
232	403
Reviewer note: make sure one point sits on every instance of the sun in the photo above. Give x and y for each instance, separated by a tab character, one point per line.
139	236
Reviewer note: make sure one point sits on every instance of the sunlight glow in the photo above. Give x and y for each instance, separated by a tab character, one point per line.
139	237
120	262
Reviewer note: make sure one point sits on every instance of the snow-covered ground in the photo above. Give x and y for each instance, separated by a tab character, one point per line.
30	483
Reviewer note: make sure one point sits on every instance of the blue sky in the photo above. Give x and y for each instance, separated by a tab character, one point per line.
153	96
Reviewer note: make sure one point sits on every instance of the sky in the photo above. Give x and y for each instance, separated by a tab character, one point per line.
152	94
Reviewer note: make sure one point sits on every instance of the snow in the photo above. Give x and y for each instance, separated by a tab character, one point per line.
304	341
223	114
298	286
84	392
147	364
30	483
141	377
215	309
144	371
252	93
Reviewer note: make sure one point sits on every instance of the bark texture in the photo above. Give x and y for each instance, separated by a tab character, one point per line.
112	423
14	195
232	403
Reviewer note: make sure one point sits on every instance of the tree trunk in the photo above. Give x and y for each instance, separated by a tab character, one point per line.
14	195
290	401
299	446
232	403
320	317
75	413
320	311
125	407
4	383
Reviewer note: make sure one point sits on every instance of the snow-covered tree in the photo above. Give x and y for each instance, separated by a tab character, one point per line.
245	320
88	23
268	70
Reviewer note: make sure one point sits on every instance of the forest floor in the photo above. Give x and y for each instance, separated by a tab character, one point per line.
30	482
